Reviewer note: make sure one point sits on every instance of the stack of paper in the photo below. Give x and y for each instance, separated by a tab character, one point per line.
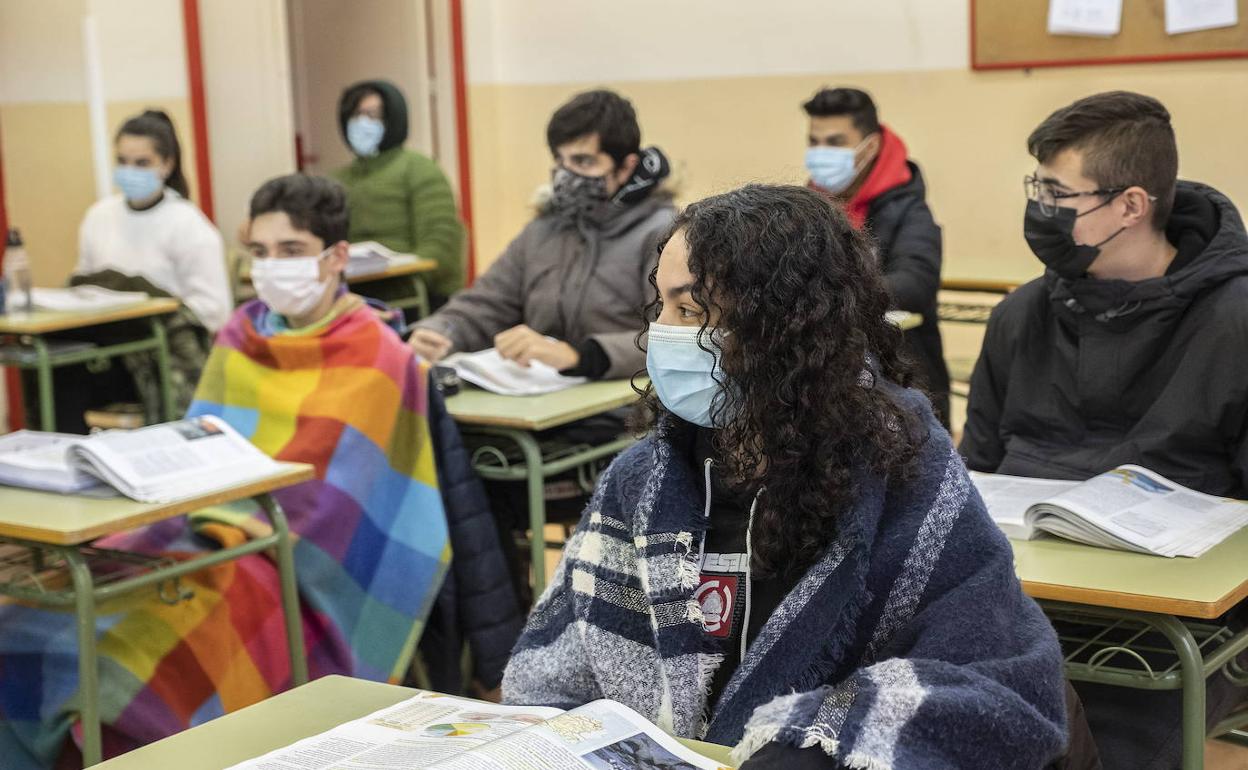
487	369
370	257
39	460
84	298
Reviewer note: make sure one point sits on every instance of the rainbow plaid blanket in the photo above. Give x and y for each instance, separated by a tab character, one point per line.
370	552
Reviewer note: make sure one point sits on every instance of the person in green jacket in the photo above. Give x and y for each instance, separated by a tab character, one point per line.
397	197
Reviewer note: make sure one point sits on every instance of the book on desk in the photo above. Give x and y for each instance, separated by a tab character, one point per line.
1128	508
156	464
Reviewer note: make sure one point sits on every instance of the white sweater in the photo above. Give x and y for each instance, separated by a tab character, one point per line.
173	245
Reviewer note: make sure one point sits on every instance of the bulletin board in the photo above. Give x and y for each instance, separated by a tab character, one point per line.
1013	34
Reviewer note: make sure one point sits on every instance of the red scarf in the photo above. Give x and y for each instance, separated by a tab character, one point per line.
889	171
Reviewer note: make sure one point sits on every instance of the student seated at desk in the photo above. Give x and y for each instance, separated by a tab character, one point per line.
148	238
398	197
569	289
860	163
794	562
309	374
1127	350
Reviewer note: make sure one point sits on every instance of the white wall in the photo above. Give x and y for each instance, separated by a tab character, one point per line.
572	41
251	130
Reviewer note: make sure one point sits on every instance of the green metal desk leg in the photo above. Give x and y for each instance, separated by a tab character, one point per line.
532	452
422	296
47	399
1191	666
164	367
88	665
290	592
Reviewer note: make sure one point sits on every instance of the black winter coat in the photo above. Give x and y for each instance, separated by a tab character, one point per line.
1078	377
910	256
477	603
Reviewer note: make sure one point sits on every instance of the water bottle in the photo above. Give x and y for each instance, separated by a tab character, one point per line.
17	271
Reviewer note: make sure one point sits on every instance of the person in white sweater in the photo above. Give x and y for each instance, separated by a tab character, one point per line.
152	230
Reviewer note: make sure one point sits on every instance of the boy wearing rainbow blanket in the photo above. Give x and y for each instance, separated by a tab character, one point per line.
307	373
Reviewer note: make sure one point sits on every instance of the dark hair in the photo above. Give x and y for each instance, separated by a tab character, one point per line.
802	300
313	203
1126	139
157	126
600	112
857	104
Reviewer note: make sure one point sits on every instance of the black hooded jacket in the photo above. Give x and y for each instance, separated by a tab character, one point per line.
395	107
1078	377
910	256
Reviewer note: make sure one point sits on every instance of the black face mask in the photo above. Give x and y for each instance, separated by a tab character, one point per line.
573	194
1052	240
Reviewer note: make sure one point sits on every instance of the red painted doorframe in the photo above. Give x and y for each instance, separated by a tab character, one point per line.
199	108
12	380
460	81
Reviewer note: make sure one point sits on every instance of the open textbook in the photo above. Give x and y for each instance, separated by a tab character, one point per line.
1128	508
487	369
447	733
157	464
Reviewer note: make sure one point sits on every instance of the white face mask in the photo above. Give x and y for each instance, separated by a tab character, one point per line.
290	285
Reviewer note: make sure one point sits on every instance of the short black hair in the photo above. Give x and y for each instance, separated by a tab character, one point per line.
313	203
1126	140
600	112
854	102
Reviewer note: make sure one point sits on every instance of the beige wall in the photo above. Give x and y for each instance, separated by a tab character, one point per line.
335	44
724	127
44	124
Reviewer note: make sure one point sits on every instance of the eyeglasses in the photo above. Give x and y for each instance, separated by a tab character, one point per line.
1043	193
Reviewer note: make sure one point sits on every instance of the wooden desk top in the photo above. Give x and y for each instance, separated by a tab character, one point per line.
280	721
1205	587
57	519
47	321
404	265
474	406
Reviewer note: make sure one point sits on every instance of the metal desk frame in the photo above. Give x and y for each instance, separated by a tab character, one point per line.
46	361
87	593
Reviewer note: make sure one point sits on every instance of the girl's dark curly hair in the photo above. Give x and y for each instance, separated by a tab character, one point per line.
799	293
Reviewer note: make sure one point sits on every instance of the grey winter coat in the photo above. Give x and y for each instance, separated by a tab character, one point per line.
570	280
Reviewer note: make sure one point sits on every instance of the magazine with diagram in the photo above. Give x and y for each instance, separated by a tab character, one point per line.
443	732
1129	508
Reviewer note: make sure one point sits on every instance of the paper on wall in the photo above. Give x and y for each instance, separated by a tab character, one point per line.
1194	15
1098	18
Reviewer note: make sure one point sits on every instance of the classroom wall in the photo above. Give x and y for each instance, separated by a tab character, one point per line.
333	45
45	142
718	84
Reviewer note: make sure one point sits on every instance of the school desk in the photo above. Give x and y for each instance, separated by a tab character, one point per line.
283	719
26	346
48	535
494	423
1145	622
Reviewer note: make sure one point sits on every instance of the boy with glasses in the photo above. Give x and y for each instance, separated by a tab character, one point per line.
1127	350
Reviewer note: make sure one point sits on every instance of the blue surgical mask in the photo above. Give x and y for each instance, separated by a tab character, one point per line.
685	376
364	135
137	184
832	168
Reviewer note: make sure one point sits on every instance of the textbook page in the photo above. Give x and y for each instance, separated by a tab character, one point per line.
448	733
1142	511
172	461
487	369
1008	498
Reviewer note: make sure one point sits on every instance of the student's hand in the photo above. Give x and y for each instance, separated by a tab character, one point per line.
430	345
523	345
